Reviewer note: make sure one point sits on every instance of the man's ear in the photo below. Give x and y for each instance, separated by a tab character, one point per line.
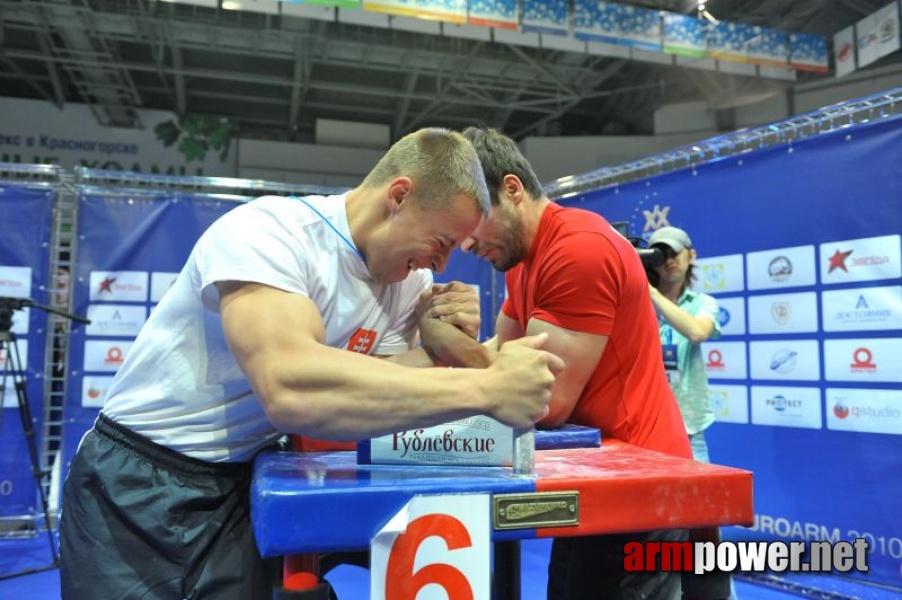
512	187
692	255
398	192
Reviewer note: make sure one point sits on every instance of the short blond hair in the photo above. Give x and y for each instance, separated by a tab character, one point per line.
440	162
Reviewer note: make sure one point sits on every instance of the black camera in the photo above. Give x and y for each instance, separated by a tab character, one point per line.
650	257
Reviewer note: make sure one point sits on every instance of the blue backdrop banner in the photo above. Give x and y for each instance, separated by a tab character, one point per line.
25	212
131	246
800	243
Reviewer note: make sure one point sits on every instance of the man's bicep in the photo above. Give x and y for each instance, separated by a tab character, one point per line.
580	352
507	329
265	327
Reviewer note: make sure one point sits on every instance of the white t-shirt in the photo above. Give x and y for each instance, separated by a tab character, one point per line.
181	387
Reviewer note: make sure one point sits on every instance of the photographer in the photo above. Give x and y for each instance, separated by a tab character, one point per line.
686	318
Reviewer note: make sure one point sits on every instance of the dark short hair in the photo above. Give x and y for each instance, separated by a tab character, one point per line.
500	156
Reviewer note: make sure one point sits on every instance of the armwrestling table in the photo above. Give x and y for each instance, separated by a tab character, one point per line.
314	502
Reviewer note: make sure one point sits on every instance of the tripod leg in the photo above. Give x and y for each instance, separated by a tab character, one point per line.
14	368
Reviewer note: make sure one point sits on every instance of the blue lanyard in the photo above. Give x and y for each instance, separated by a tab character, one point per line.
337	232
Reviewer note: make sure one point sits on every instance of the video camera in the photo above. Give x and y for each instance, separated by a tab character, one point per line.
650	257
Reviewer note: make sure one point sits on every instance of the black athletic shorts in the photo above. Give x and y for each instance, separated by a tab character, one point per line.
143	521
591	568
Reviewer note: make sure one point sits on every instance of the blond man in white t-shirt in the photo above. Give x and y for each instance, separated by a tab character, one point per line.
272	327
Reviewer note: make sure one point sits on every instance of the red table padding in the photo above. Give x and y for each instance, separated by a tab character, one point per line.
624	488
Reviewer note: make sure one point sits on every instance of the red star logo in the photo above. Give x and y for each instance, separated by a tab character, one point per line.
838	261
107	285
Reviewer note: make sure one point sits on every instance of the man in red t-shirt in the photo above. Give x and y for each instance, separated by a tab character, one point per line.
568	273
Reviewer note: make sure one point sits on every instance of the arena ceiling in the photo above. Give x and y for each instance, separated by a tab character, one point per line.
275	74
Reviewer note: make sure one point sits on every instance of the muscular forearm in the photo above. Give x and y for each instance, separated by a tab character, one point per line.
340	395
450	346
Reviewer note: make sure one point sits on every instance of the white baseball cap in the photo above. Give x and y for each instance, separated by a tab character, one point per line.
672	236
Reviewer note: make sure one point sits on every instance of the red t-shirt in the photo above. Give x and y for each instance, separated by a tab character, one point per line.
582	275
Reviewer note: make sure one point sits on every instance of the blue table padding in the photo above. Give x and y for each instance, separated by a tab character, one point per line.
568	436
353	502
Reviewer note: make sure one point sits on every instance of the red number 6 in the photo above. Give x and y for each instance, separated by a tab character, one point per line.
401	583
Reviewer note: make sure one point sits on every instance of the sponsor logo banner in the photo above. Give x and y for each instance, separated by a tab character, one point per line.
720	274
781	268
730	403
93	390
868	411
786	406
118	286
864	259
105	355
844	51
732	316
877	359
5	366
15	282
887	19
789	360
115	319
160	282
783	313
21	319
862	309
725	360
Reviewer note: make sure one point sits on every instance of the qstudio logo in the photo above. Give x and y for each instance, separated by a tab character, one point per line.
94	392
715	361
884	414
863	361
783	361
779	269
840	410
781	311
